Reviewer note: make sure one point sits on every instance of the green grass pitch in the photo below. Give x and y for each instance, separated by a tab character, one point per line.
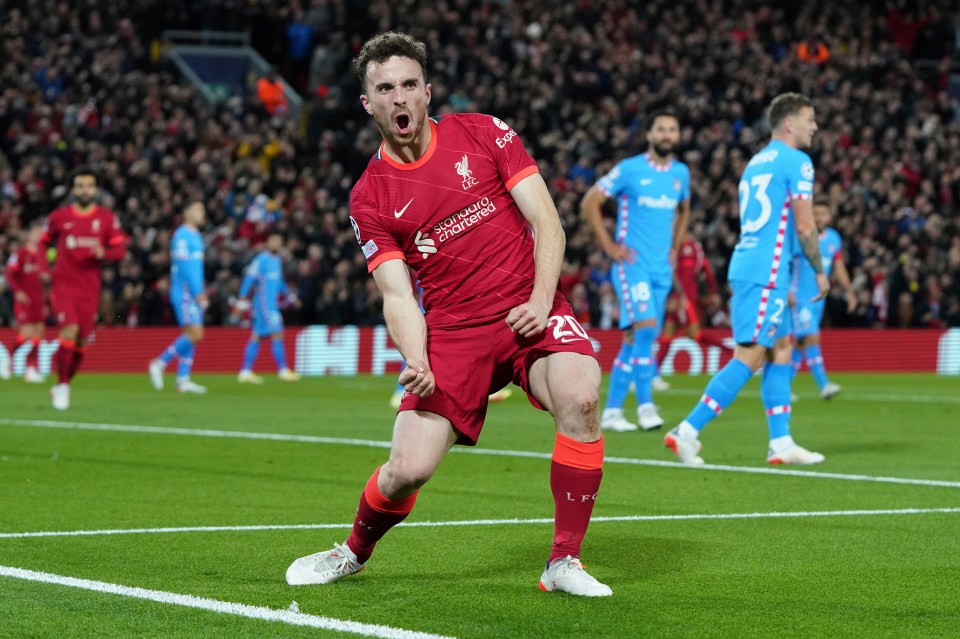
840	568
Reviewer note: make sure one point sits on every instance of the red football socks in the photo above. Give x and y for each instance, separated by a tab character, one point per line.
375	516
575	474
65	360
33	357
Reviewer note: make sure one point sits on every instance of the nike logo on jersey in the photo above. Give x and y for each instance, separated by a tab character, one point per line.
397	213
646	182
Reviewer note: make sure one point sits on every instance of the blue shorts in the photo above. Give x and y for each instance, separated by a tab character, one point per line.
806	318
267	323
641	297
760	315
187	310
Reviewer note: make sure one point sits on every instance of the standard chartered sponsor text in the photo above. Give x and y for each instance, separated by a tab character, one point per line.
464	219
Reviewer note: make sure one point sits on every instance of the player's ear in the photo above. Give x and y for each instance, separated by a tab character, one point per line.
366	104
427	90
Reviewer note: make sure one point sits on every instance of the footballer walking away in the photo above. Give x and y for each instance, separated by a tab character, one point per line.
460	201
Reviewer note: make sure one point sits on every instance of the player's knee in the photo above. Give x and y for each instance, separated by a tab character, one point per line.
403	476
582	402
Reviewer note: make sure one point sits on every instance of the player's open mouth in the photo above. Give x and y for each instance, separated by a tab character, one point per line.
402	122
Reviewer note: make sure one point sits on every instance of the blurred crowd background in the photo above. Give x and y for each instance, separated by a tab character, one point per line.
90	82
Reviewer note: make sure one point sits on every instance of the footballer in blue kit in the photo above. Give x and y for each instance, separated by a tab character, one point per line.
188	298
776	217
807	315
652	194
264	276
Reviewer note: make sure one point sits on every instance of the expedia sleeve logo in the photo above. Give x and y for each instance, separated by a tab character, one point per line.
507	138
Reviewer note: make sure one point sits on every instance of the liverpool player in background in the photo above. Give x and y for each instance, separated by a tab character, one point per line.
27	272
85	235
459	199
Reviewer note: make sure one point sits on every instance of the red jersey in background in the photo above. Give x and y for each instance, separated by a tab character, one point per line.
25	269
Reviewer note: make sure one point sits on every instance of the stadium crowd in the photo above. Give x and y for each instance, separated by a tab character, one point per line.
89	83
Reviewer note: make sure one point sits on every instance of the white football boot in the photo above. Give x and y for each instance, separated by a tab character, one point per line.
324	567
613	419
794	455
660	385
686	448
186	386
648	417
830	390
155	369
287	375
60	396
568	575
249	377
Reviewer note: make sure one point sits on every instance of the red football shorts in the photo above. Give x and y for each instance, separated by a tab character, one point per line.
472	362
30	313
70	307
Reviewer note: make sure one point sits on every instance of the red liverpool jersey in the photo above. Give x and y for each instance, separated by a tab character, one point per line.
451	217
75	234
691	261
24	270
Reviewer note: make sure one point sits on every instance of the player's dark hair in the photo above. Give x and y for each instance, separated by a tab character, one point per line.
83	170
660	113
381	48
785	105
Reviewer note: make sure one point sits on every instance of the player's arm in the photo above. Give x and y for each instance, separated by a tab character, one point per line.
707	269
243	295
48	237
14	272
115	246
843	276
406	324
680	222
809	239
194	270
590	209
537	207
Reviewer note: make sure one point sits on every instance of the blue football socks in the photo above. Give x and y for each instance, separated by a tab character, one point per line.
775	393
279	354
620	377
815	364
644	366
185	353
250	355
720	393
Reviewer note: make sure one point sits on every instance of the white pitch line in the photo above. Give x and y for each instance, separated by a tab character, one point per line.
315	439
223	607
847	396
484	522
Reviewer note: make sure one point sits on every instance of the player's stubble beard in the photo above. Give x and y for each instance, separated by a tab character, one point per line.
664	150
388	130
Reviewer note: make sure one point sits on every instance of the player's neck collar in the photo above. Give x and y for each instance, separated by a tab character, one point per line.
409	166
663	168
76	211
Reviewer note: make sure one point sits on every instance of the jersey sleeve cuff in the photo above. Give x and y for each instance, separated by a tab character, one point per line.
521	175
380	259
